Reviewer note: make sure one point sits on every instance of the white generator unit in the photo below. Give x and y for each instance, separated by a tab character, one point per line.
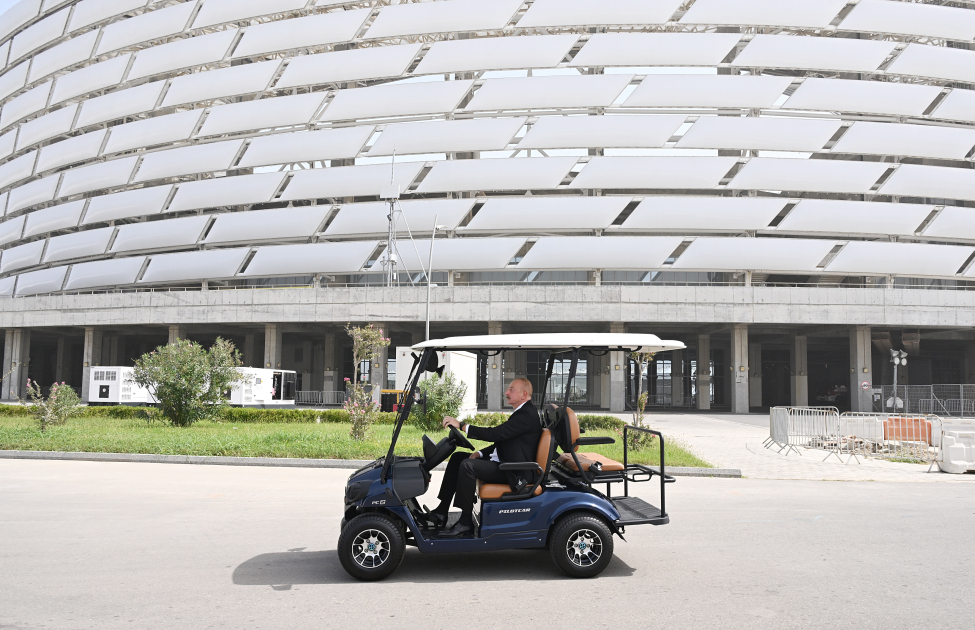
463	365
266	389
113	385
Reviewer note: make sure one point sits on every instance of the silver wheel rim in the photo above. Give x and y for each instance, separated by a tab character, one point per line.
584	547
370	549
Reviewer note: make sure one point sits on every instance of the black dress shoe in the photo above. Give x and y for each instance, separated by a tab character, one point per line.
457	530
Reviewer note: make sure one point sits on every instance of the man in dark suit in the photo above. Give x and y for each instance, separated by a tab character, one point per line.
515	440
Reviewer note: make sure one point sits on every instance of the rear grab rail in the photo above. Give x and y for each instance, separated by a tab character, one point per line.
664	479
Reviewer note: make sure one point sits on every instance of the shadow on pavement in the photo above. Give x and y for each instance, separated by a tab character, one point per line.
282	570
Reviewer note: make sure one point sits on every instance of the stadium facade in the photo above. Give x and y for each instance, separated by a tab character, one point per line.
785	185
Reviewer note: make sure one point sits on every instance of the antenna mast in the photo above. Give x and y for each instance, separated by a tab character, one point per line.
391	194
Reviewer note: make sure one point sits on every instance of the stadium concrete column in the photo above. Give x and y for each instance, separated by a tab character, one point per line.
676	378
754	375
377	370
617	374
8	359
861	368
20	355
113	350
59	360
250	351
91	356
272	346
704	371
329	372
739	368
176	331
800	371
495	373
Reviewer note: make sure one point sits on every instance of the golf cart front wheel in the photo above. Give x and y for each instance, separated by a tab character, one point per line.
582	545
371	546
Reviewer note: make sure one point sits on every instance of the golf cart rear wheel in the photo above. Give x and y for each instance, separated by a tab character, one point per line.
581	545
371	546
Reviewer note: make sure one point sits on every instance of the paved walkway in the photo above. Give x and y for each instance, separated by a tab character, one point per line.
729	441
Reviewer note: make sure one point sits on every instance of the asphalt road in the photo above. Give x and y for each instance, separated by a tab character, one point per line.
110	545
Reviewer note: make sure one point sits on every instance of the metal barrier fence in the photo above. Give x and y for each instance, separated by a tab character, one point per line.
956	400
808	427
320	399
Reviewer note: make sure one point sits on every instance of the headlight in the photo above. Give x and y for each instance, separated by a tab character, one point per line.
356	491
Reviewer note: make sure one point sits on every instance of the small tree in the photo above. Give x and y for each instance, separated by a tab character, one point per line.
638	439
367	344
56	408
444	397
190	383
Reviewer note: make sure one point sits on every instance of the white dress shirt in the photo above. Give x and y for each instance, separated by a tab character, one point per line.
494	453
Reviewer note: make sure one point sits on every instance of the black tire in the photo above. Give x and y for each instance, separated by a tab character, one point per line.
581	545
370	564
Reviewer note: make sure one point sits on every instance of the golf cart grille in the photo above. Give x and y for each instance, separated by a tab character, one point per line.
636	511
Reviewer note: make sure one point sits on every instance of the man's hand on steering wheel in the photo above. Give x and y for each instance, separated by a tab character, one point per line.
451	422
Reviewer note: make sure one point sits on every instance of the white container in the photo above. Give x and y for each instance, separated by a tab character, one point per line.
463	365
113	385
265	389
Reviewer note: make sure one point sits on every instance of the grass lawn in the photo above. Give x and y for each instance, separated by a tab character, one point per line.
305	440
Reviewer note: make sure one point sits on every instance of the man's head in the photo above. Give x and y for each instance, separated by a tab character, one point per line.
519	391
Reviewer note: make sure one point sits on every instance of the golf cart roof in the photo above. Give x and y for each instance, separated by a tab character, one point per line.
555	341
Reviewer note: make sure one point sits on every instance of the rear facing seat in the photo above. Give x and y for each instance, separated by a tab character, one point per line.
585	459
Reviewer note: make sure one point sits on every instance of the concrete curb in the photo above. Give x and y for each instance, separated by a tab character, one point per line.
279	462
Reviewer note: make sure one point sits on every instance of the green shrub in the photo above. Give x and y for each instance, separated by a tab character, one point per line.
586	422
14	411
54	409
444	396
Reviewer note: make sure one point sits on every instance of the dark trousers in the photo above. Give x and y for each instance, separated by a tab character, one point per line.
460	481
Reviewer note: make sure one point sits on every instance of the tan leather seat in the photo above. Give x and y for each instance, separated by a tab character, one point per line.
491	491
585	459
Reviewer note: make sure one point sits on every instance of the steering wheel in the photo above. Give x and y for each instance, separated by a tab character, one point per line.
460	439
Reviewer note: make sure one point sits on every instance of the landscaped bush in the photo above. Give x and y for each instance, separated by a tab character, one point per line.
586	422
54	409
294	416
444	396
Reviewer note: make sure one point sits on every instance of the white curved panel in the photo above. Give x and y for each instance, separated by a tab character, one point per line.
151	131
22	256
703	213
764	12
958	105
105	273
812	175
267	113
29	102
443	17
217	156
146	27
17	15
418	217
460	254
183	53
349	65
953	223
855	217
304	32
78	245
913	140
654	172
402	100
938	62
120	104
930	181
501	53
215	263
265	225
547	214
755	254
11	230
91	78
827	53
17	169
233	81
220	11
655	49
509	174
124	205
615	252
483	134
545	92
875	97
7	286
104	175
598	12
159	234
89	12
7	142
37	191
287	260
309	146
71	150
54	218
771	134
907	18
13	80
47	126
909	259
63	55
40	33
702	90
44	281
226	191
348	181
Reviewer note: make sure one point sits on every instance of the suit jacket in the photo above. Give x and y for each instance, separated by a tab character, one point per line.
515	440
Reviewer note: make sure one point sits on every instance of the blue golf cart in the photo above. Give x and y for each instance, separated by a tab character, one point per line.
563	511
